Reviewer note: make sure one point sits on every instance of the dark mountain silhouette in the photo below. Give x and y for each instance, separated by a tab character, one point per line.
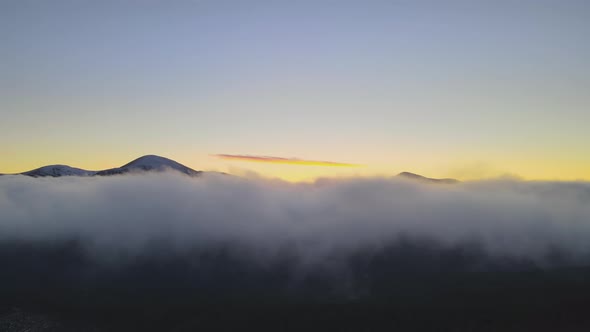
149	163
57	171
416	177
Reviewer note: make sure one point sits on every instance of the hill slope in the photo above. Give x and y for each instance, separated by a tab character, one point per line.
149	163
57	171
416	177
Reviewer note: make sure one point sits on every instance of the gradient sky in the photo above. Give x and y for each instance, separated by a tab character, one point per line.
464	89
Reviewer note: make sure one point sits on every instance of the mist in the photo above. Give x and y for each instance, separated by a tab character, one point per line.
122	217
164	251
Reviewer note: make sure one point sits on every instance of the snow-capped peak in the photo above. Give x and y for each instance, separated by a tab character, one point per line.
58	170
150	163
142	164
153	161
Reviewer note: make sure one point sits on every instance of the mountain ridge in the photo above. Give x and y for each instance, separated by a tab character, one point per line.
150	163
417	177
154	163
147	163
57	171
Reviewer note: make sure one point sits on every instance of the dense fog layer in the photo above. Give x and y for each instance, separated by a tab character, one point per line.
122	217
104	245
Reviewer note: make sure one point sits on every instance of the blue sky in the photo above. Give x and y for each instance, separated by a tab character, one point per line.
450	88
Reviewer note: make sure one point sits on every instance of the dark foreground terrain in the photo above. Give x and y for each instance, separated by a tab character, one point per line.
407	286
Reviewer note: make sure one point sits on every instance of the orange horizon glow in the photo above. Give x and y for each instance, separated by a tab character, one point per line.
281	160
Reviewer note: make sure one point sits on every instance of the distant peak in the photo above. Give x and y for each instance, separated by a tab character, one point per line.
152	156
145	163
150	159
57	171
418	177
411	175
150	162
56	166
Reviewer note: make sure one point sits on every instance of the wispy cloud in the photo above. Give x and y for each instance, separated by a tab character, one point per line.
280	160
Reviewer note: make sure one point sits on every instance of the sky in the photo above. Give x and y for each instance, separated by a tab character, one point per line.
463	89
